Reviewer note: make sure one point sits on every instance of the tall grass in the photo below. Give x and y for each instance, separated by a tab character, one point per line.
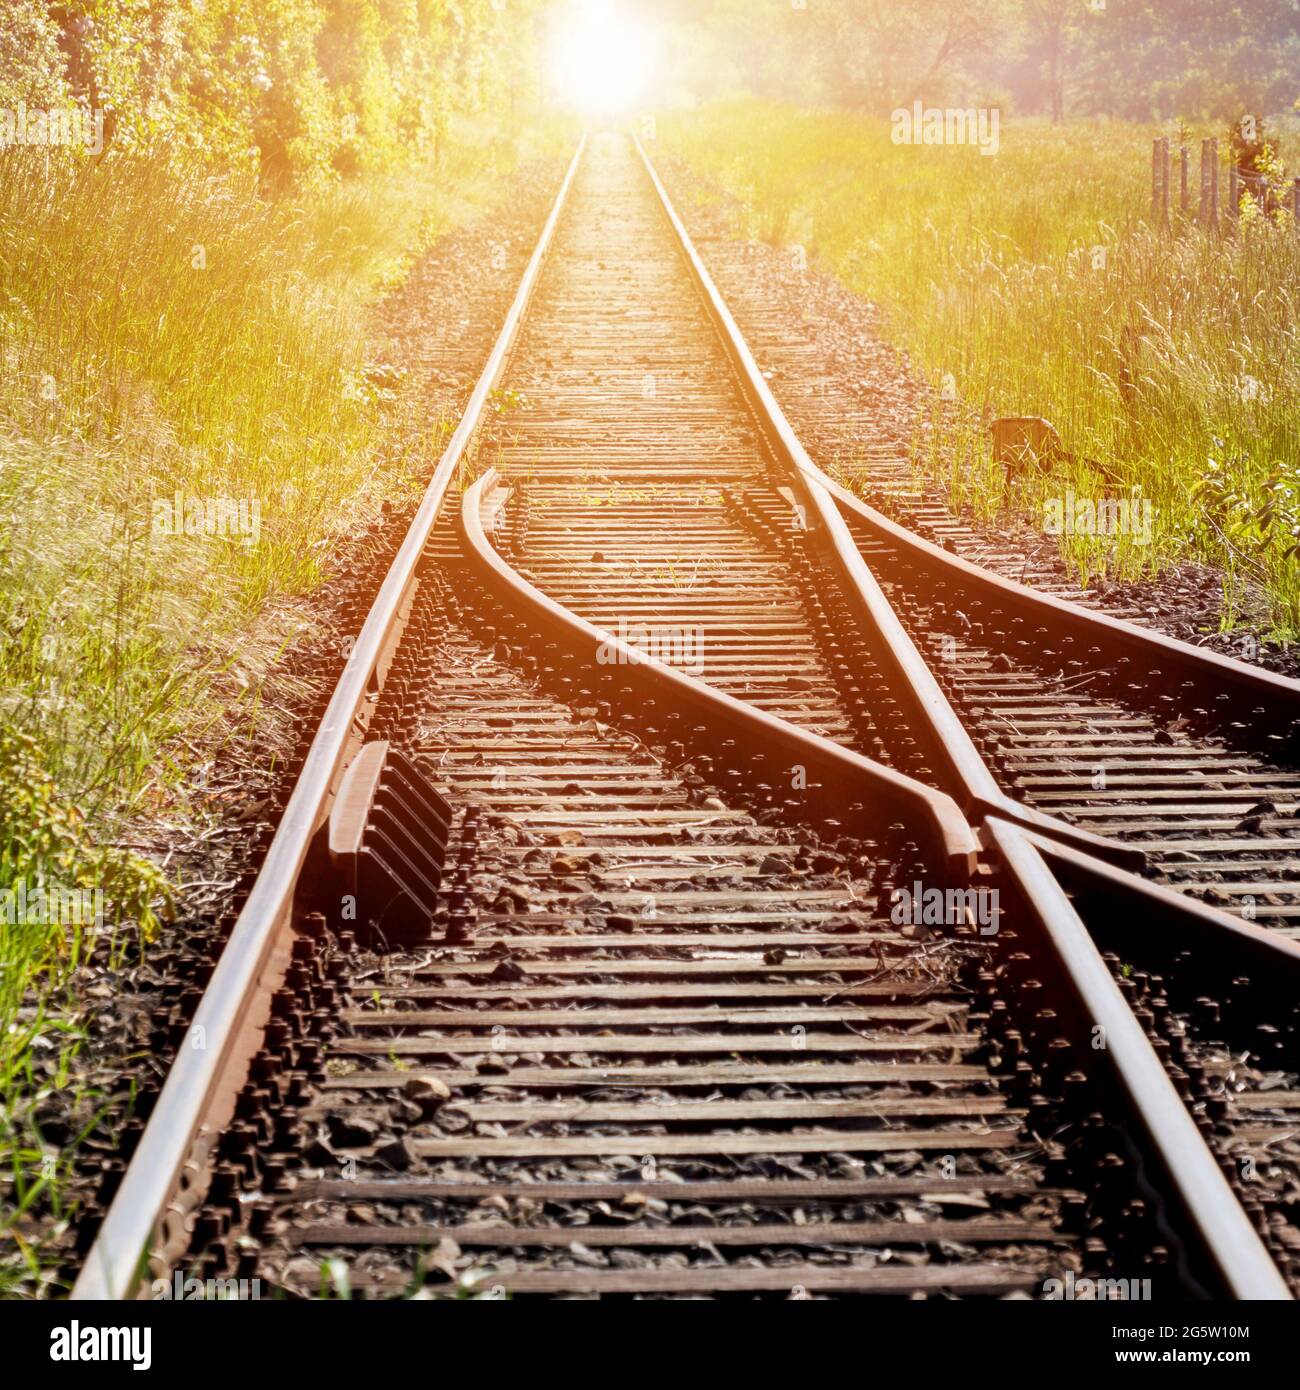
1029	283
165	332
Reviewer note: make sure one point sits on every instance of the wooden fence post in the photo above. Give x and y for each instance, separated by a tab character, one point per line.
1295	201
1203	210
1214	182
1184	192
1165	157
1155	180
1234	193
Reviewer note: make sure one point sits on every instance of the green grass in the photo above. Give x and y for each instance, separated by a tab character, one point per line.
165	331
1031	279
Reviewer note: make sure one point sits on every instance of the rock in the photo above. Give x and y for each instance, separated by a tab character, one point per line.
319	1155
302	1273
508	972
422	1099
445	1256
396	1153
348	1132
774	864
628	1259
417	1088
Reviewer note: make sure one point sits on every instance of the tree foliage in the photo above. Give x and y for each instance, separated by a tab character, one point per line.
300	90
1134	58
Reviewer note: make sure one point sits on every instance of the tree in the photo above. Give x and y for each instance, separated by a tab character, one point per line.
1053	27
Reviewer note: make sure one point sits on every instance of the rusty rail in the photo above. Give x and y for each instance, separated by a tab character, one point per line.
1027	848
199	1080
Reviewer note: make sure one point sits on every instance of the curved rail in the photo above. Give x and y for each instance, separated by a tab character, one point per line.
1158	910
1275	697
208	1070
1274	700
951	751
936	815
198	1076
1228	1242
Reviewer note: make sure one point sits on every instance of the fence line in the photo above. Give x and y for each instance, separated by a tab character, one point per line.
1240	181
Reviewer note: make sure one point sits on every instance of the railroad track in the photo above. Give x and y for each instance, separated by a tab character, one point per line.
1108	748
647	920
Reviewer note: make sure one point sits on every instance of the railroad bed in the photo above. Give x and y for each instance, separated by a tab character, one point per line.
672	1029
629	408
676	1024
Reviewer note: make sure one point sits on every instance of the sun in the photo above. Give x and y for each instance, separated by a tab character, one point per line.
601	60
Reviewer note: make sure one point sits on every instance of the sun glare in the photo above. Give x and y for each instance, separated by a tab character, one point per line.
602	59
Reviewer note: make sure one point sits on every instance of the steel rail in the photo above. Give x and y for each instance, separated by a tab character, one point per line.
1243	1264
188	1107
1234	1247
1160	910
958	764
962	770
935	813
121	1248
1227	1241
1273	693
